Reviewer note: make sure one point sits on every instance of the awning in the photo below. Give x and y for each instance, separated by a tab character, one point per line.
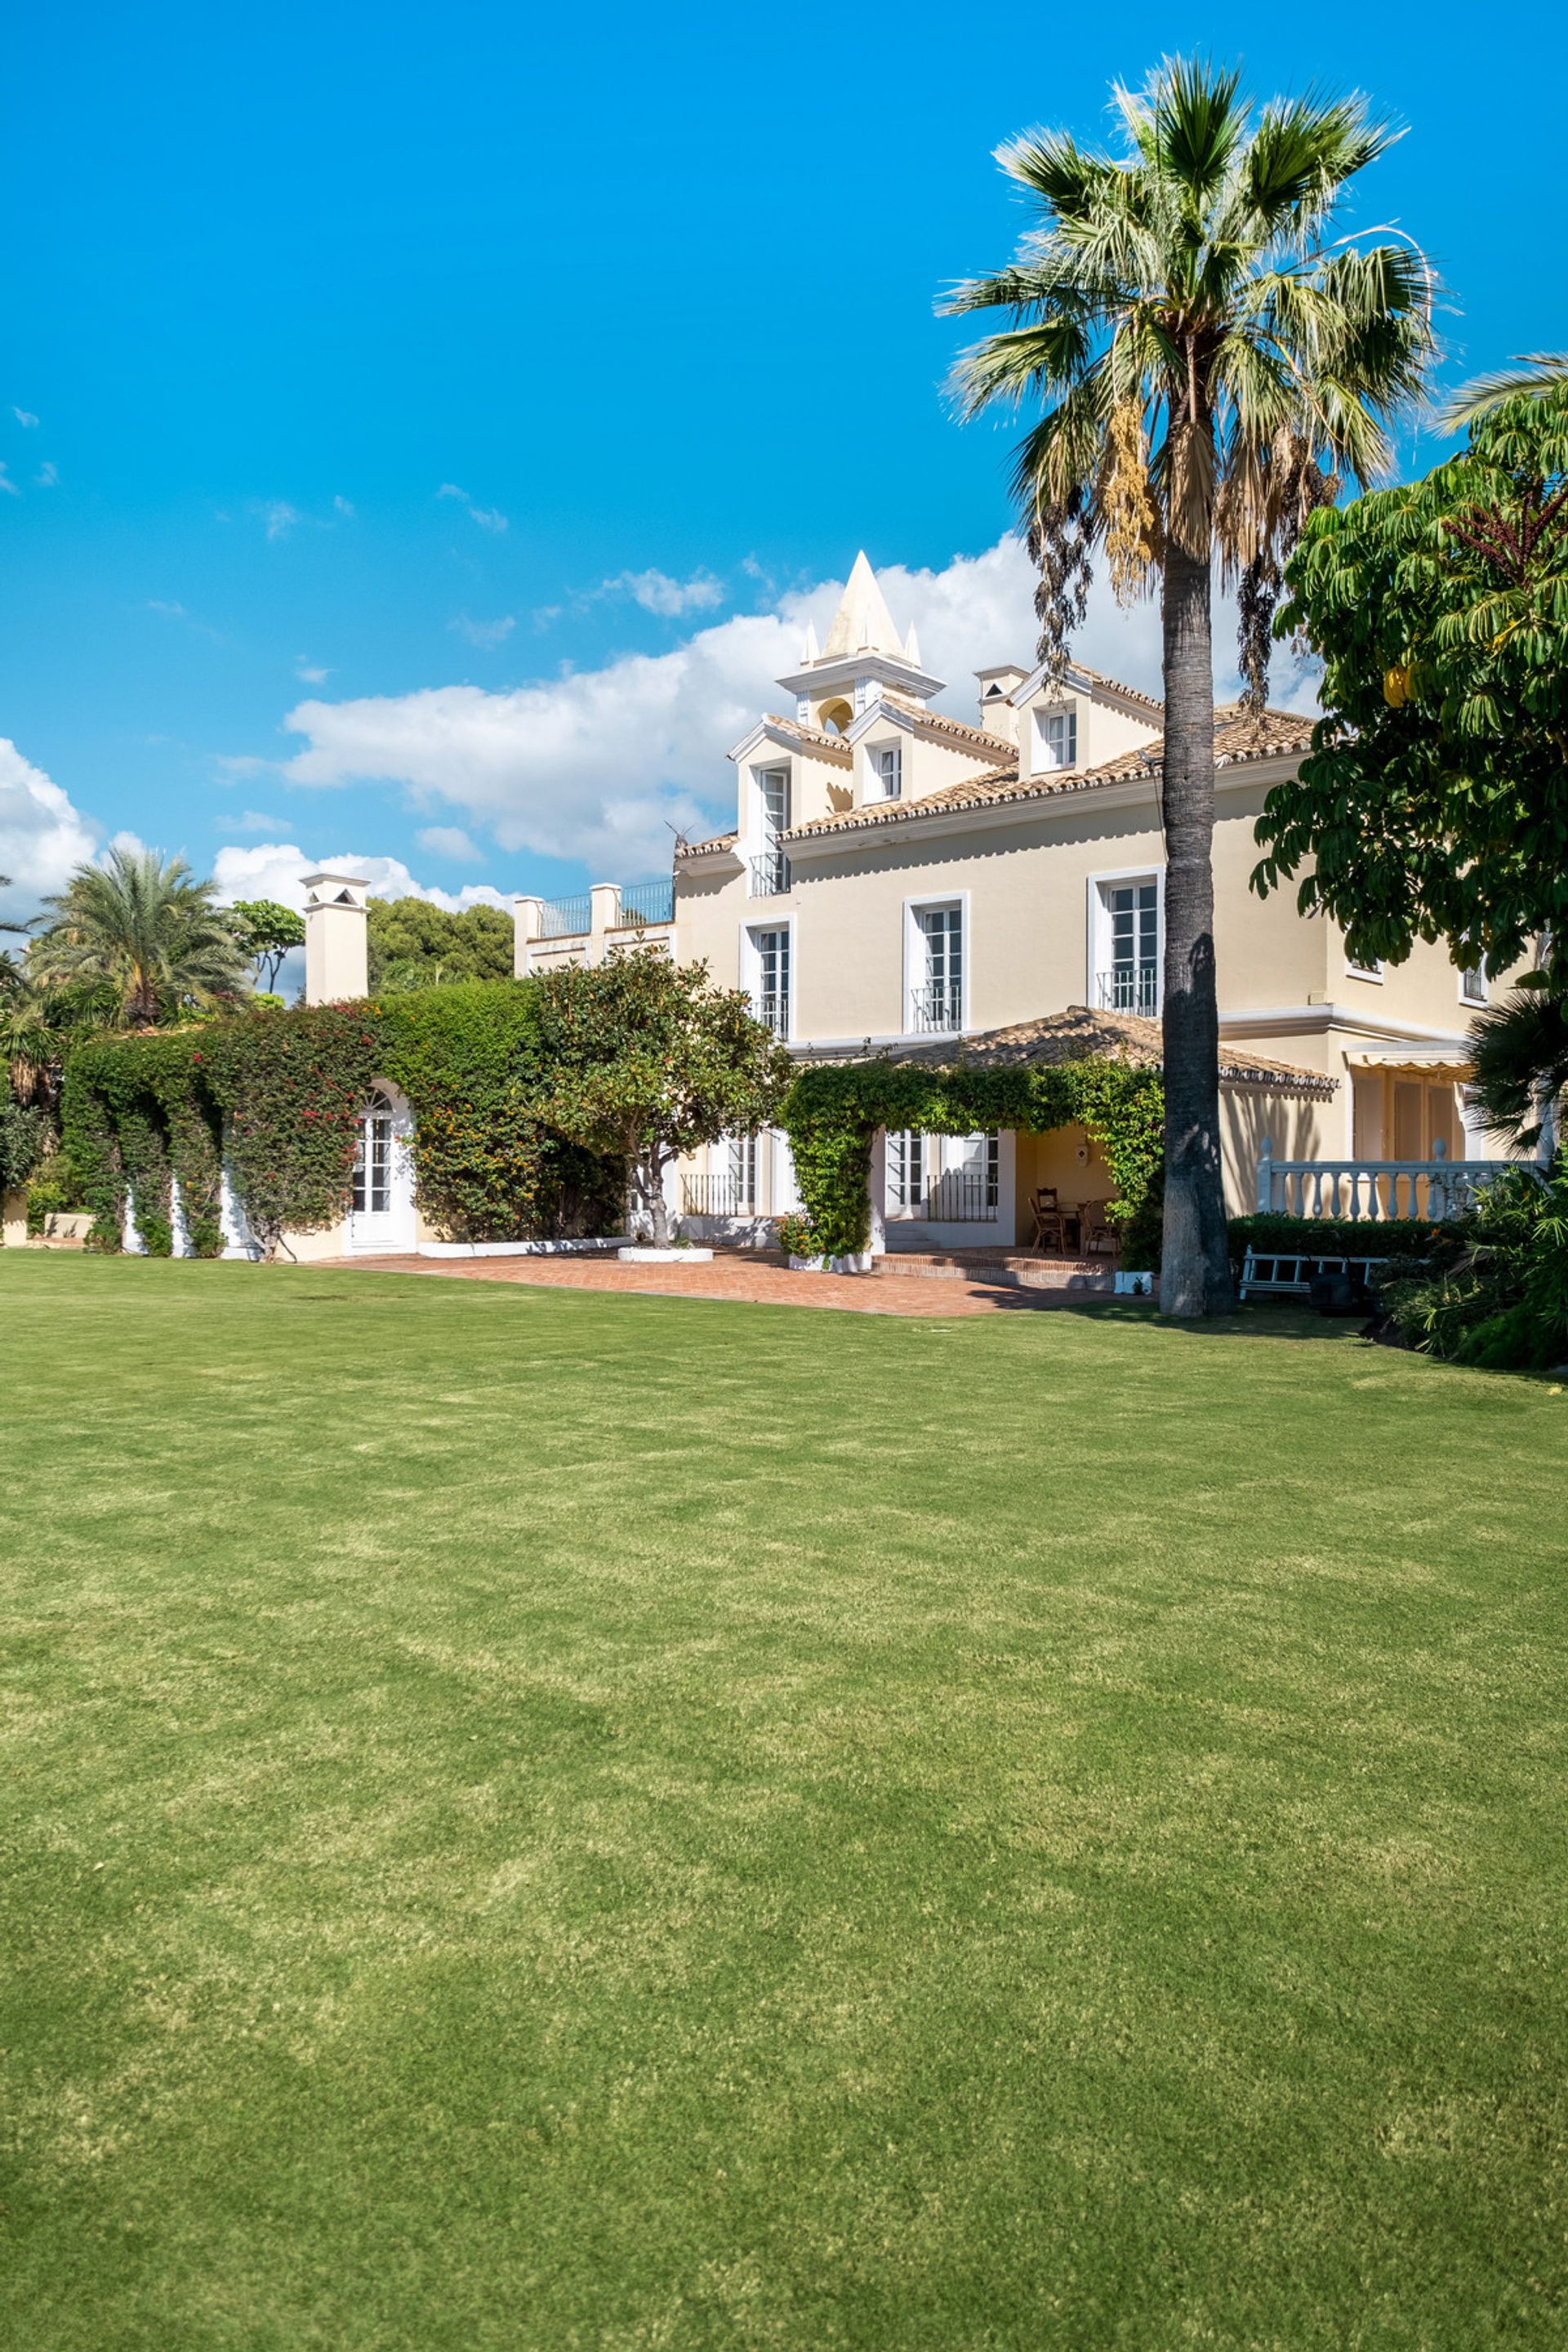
1414	1061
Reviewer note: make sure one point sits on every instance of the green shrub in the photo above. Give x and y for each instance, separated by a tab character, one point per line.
24	1139
1495	1292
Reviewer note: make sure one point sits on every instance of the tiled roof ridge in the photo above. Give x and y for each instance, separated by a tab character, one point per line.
815	736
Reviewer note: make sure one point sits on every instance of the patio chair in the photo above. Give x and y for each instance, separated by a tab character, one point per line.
1098	1234
1050	1224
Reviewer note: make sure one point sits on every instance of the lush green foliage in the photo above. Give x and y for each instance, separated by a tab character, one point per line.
266	932
1399	1237
1502	1301
148	928
644	1060
832	1114
24	1139
547	1822
1519	1049
1435	803
279	1094
490	1165
413	944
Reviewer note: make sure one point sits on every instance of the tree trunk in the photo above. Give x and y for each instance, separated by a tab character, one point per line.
1194	1268
648	1178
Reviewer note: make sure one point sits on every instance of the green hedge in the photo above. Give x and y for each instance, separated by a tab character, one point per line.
1411	1237
832	1113
279	1094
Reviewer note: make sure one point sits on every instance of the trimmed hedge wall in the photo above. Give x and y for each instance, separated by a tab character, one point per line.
1337	1236
278	1095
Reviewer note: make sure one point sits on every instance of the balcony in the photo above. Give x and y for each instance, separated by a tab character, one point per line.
646	903
1130	988
769	874
716	1196
772	1012
937	1007
566	918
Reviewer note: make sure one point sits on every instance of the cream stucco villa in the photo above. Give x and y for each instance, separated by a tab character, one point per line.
901	881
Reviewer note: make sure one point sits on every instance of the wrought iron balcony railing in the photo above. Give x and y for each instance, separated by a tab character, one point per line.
940	1006
769	874
1131	988
964	1196
566	918
772	1012
648	902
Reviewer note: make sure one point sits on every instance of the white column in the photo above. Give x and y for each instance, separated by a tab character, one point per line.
527	919
603	914
878	1180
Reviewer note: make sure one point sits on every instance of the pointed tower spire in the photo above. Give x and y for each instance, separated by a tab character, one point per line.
862	623
913	647
808	651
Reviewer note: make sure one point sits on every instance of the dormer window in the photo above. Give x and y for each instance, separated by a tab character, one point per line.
1056	733
888	768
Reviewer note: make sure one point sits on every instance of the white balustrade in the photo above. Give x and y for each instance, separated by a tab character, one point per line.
1374	1190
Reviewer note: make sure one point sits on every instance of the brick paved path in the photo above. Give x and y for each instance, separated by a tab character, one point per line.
735	1277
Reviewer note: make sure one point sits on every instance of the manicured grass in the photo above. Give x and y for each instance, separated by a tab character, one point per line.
540	1819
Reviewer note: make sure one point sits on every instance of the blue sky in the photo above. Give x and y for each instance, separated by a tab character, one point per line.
403	362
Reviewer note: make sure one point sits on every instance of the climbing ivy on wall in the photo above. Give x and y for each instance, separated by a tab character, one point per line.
279	1094
832	1114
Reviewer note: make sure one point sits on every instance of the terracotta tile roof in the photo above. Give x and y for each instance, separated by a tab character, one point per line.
1238	737
812	739
1075	1034
700	848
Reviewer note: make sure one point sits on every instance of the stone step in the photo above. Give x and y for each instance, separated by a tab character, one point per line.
1018	1269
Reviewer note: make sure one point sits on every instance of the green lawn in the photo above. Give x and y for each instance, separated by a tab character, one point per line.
540	1819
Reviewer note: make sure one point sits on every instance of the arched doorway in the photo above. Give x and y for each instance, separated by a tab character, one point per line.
381	1211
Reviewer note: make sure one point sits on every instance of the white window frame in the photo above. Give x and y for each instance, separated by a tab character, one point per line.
916	966
1482	977
908	1150
1098	927
750	966
1372	971
766	831
1045	719
893	753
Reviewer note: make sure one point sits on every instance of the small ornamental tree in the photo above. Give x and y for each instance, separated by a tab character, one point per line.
648	1059
1434	804
265	932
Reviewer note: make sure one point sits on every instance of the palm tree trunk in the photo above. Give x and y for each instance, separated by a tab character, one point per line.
1194	1269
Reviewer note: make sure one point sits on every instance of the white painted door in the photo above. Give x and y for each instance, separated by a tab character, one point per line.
381	1214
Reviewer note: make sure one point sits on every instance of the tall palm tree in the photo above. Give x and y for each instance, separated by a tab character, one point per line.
1211	367
146	925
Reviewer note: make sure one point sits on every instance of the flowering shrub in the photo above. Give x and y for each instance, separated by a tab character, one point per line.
799	1237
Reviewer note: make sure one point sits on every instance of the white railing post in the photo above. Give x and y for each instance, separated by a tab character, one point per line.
1265	1180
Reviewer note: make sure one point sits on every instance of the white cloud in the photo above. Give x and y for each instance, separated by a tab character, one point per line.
488	518
47	474
42	837
342	505
451	842
169	611
596	765
23	416
7	484
655	592
253	821
486	634
277	869
278	516
311	673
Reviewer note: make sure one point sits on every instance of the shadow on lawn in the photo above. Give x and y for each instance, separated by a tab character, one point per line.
1266	1322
